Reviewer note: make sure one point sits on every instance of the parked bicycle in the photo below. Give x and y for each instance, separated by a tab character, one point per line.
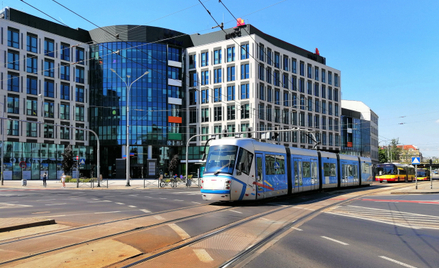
168	182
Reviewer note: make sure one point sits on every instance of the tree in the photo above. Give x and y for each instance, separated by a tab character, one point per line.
394	151
173	164
67	162
382	155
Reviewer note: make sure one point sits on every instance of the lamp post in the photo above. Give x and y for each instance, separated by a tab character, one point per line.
127	151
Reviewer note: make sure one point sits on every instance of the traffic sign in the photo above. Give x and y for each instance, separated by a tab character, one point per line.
82	161
416	160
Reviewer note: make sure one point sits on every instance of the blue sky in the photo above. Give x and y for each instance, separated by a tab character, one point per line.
387	51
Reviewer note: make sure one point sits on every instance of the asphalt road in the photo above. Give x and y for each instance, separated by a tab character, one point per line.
374	231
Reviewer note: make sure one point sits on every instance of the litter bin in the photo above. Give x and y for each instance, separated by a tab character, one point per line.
23	182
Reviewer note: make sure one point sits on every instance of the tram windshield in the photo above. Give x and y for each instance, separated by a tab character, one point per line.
386	170
221	158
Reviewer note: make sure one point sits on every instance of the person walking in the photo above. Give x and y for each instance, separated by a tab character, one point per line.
63	180
44	179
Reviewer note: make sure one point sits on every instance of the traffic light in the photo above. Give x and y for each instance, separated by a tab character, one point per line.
224	133
249	130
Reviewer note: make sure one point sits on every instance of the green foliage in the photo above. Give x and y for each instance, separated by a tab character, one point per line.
173	164
382	155
67	162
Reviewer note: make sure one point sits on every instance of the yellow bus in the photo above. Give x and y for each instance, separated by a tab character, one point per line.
423	174
393	172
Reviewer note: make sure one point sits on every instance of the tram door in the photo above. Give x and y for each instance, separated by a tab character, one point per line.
259	175
297	183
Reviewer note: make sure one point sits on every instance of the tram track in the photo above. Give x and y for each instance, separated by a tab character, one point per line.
310	208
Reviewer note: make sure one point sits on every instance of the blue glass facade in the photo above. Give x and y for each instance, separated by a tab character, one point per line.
148	103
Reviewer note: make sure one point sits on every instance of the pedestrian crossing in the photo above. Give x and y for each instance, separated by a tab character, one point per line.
392	217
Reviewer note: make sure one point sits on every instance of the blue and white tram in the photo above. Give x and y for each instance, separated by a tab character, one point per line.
245	169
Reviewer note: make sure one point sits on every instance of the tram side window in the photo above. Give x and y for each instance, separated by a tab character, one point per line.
306	169
329	169
274	164
366	168
245	159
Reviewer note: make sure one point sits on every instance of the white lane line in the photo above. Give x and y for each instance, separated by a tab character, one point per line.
120	203
334	240
297	229
107	212
163	198
55	204
239	212
182	233
193	202
100	201
397	262
178	200
158	217
145	210
41	212
132	206
202	255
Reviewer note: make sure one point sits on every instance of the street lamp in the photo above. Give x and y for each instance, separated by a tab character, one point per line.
127	151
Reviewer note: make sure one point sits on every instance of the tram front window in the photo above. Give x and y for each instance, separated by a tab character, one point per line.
221	158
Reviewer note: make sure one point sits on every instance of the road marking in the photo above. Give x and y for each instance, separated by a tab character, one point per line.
182	233
145	210
401	201
297	229
100	201
56	204
178	200
120	203
202	255
239	212
334	240
132	206
9	205
163	198
397	262
133	195
107	212
41	212
158	217
193	202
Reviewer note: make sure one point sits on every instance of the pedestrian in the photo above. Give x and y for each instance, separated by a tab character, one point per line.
44	179
63	180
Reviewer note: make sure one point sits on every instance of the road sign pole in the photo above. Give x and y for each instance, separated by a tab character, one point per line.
416	176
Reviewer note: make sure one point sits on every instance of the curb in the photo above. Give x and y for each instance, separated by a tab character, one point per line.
423	192
27	225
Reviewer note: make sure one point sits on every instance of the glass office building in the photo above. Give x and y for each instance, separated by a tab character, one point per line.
155	99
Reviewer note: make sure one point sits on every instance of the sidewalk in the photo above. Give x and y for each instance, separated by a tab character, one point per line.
105	184
424	187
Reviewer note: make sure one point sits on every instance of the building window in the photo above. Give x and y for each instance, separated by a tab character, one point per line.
204	59
316	89
49	68
277	115
79	113
32	43
336	80
309	87
64	91
245	69
192	97
13	82
330	78
193	79
323	76
205	115
13	105
309	73
80	55
231	129
286	99
245	51
217	113
79	94
205	96
269	94
286	63
316	121
204	130
301	85
336	109
217	95
294	118
261	91
323	122
230	93
49	48
193	115
302	102
64	111
294	65
261	52
64	133
32	107
277	97
269	113
317	106
261	111
323	91
13	60
65	72
276	78
49	109
31	83
32	64
231	112
65	52
335	94
261	72
204	77
302	119
13	128
323	107
276	60
330	108
217	76
294	100
13	38
192	61
79	75
217	56
79	135
310	120
31	130
245	111
231	73
269	78
269	56
230	54
285	80
245	92
310	104
49	89
302	68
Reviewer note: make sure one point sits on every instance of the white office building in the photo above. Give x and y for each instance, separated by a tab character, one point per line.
247	79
